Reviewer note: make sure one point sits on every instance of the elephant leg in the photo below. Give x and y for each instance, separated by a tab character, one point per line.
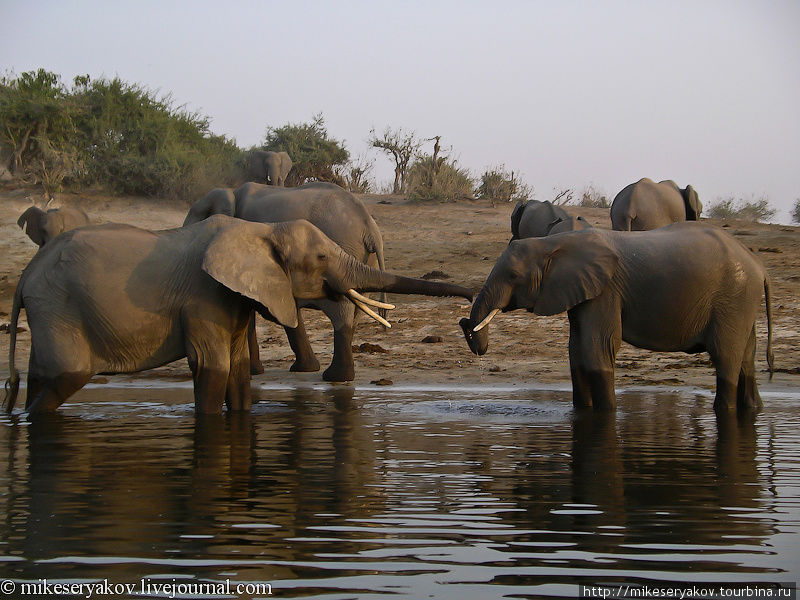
56	373
53	391
727	354
342	316
747	396
305	361
595	335
209	356
237	393
256	368
34	382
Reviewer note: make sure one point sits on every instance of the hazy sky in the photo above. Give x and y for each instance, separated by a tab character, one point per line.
569	93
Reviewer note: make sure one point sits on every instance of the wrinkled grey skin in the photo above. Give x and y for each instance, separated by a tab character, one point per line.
686	287
42	226
118	299
648	205
269	167
568	224
343	218
533	218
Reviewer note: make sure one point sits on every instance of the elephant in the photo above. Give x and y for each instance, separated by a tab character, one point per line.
568	224
42	226
532	218
686	287
343	218
118	299
268	166
648	205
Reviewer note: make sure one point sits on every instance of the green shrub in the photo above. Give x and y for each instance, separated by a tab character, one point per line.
796	211
741	210
439	180
315	156
498	185
115	134
356	175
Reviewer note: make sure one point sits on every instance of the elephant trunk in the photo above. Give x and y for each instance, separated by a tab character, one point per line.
364	278
486	305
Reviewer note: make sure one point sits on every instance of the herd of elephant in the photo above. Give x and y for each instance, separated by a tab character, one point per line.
113	298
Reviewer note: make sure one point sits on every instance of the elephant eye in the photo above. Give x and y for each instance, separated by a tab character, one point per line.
322	257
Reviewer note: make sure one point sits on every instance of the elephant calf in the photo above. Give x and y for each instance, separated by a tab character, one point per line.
687	287
42	226
535	219
119	299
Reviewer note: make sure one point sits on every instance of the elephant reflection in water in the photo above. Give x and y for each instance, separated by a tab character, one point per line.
278	468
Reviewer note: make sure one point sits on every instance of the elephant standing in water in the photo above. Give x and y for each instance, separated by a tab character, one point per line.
270	167
687	287
42	226
534	218
118	299
648	205
343	218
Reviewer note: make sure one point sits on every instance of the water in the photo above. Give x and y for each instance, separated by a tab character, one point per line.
336	493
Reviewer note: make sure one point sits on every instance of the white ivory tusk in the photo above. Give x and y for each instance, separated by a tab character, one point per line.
354	294
367	311
485	322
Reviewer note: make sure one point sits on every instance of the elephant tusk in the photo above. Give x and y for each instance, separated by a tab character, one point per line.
485	322
355	295
370	313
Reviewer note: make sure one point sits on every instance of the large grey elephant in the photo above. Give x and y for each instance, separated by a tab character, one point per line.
533	218
118	299
648	205
343	218
687	287
270	167
42	226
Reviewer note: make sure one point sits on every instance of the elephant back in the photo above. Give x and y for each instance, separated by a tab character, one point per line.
534	219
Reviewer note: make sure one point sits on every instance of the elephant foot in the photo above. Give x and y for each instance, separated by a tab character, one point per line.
338	373
256	368
305	366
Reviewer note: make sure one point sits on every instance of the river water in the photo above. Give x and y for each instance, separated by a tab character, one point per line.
341	492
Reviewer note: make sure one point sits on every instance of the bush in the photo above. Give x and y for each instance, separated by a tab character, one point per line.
741	210
315	156
593	198
499	186
796	211
111	133
438	179
357	175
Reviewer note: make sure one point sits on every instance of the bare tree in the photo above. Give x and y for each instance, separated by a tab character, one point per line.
402	146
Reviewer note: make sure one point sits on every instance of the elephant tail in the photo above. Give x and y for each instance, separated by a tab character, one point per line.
770	355
12	383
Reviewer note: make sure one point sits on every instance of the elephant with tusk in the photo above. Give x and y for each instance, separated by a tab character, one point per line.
119	299
688	287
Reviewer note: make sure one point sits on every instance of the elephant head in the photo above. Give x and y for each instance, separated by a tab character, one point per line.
219	201
546	276
516	217
274	264
42	226
693	205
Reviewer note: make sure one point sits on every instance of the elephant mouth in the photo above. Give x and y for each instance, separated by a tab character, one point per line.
475	346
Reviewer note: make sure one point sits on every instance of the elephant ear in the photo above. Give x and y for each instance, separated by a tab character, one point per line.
32	222
243	258
578	268
516	217
693	206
